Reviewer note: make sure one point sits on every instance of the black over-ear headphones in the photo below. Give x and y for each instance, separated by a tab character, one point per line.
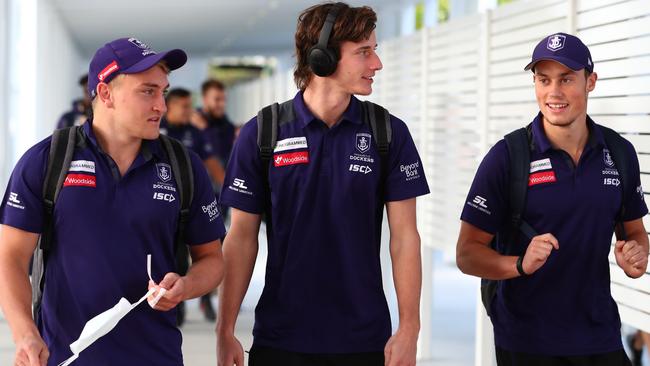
321	59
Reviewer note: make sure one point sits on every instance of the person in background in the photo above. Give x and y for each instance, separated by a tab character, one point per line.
81	108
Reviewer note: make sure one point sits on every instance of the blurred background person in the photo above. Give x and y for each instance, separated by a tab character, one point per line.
81	109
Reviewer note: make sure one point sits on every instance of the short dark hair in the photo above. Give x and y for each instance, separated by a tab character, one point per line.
212	83
353	24
177	93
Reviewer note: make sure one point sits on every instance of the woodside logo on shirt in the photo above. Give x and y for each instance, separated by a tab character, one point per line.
80	180
300	157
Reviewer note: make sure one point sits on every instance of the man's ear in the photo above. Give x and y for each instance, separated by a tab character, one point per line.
591	81
105	95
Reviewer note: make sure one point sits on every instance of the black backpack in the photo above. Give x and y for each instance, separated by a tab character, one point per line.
520	144
64	142
270	117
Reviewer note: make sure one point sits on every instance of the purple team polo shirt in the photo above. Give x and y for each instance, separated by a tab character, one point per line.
105	225
323	291
566	307
190	136
220	133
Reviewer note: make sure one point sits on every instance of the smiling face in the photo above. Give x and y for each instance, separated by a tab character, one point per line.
358	64
562	93
137	102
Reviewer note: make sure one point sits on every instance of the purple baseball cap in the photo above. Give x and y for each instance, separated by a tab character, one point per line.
128	56
565	49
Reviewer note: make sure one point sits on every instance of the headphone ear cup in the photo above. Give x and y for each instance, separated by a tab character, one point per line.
322	61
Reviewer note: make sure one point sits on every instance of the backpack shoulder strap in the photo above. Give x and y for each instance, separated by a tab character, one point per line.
267	131
62	148
618	152
519	146
379	120
181	165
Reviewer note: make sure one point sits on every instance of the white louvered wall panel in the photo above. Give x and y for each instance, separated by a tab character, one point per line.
618	35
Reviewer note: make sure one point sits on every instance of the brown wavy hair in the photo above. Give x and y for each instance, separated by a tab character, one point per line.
353	24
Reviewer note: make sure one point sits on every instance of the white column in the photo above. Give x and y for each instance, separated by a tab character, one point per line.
22	86
4	71
407	25
430	13
484	347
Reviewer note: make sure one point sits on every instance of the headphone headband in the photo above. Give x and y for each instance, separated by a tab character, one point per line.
328	25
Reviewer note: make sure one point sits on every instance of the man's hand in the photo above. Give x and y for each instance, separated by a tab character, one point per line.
401	349
175	289
31	351
631	257
229	350
538	251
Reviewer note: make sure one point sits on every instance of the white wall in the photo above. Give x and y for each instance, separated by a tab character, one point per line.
58	69
4	132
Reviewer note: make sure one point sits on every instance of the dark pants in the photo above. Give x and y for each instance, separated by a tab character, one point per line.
263	356
507	358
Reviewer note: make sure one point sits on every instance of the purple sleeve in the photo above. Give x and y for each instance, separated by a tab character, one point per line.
205	222
22	204
405	178
244	185
635	206
487	203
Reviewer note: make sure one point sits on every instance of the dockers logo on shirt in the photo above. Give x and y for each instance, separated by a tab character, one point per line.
82	166
540	178
480	204
363	142
291	144
607	158
80	180
556	42
300	157
164	172
212	210
639	190
543	164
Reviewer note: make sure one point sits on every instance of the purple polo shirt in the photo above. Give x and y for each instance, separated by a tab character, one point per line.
105	225
566	307
323	290
220	133
190	136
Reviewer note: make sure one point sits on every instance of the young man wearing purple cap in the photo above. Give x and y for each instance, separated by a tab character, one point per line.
553	304
323	194
118	204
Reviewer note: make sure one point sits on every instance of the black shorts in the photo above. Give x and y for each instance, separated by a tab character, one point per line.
507	358
264	356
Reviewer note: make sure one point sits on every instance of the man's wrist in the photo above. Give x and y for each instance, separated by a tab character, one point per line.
410	327
25	331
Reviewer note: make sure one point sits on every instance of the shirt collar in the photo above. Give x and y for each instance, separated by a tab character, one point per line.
542	144
149	148
305	116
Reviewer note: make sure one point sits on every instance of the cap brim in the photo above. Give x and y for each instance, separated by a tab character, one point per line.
174	60
563	60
